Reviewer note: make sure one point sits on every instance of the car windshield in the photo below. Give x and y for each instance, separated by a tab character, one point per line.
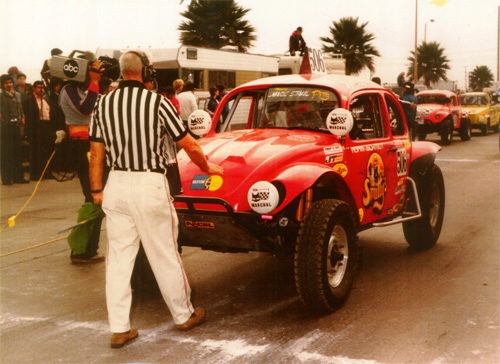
473	100
297	108
432	99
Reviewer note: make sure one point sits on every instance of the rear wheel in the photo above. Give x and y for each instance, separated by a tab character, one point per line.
465	130
326	255
424	232
447	132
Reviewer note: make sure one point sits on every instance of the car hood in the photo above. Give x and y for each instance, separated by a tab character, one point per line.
472	109
429	108
248	156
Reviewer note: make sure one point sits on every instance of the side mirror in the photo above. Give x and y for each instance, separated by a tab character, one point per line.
339	122
200	122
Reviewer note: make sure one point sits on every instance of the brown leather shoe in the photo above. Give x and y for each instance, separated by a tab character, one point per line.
94	259
120	339
196	318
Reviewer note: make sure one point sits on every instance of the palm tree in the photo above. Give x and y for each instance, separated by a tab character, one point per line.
352	41
432	63
480	78
215	24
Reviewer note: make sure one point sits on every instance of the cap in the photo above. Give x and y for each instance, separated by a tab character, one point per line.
55	52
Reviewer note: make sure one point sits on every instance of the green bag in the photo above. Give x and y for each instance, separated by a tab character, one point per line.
80	235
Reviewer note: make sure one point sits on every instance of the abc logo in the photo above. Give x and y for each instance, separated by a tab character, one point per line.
70	68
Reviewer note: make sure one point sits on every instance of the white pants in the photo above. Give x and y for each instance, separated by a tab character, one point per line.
138	208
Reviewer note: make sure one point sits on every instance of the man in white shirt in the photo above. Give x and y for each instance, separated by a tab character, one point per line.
187	101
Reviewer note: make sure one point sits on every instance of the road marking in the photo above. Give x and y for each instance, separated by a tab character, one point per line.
466	160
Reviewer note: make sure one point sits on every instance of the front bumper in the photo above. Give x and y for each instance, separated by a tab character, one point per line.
223	229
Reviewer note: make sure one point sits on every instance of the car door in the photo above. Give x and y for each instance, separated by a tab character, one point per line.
372	152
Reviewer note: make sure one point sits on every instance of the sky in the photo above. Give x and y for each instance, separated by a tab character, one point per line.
466	29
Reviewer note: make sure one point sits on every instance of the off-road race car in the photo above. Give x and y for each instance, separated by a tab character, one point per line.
439	111
309	161
482	111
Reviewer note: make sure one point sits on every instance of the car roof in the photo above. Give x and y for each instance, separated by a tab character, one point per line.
437	92
345	85
474	94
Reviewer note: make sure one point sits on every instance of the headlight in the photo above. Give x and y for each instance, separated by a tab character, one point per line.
481	119
263	197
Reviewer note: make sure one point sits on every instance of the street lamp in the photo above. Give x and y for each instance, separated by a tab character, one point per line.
415	63
425	30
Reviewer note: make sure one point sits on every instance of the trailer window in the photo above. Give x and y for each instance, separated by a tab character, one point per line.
194	76
226	78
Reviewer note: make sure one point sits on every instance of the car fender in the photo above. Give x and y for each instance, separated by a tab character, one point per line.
300	177
422	159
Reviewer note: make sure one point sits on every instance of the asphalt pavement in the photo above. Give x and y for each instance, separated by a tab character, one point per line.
439	306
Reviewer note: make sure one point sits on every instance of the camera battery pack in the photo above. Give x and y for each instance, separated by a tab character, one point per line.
67	68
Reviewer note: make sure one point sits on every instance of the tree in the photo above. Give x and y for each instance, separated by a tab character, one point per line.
480	78
352	41
215	24
432	63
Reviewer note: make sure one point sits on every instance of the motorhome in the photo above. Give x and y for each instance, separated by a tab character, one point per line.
205	67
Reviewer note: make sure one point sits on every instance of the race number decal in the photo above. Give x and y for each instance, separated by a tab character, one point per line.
316	60
402	162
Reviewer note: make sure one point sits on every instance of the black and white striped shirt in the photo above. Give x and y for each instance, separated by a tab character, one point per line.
133	123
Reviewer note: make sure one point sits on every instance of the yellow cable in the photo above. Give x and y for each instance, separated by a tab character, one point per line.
33	247
37	246
11	221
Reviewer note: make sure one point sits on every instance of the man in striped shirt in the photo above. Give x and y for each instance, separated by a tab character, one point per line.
129	130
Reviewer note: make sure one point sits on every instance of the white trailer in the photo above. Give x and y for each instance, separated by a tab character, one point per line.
205	67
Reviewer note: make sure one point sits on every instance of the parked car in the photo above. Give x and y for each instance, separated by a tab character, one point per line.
481	110
439	111
309	161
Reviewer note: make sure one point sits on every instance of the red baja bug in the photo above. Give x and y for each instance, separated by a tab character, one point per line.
309	161
440	111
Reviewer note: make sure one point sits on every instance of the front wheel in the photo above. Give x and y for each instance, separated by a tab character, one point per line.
447	132
424	232
326	255
465	130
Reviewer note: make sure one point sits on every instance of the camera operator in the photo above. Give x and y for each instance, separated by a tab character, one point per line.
77	102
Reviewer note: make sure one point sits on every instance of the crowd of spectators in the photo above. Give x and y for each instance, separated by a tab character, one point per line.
29	133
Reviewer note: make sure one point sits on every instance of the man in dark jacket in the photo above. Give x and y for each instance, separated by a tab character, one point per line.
296	42
11	120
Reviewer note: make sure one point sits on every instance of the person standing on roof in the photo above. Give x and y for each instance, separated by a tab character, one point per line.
296	42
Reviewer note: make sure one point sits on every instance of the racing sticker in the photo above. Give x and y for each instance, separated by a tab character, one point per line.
334	149
402	157
341	169
204	182
200	224
375	184
334	158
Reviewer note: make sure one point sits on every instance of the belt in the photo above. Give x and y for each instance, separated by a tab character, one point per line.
156	170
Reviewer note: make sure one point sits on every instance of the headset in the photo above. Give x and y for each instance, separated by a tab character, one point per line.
148	71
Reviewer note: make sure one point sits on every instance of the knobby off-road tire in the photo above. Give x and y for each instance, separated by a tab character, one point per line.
326	255
447	132
424	232
484	129
421	137
465	132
